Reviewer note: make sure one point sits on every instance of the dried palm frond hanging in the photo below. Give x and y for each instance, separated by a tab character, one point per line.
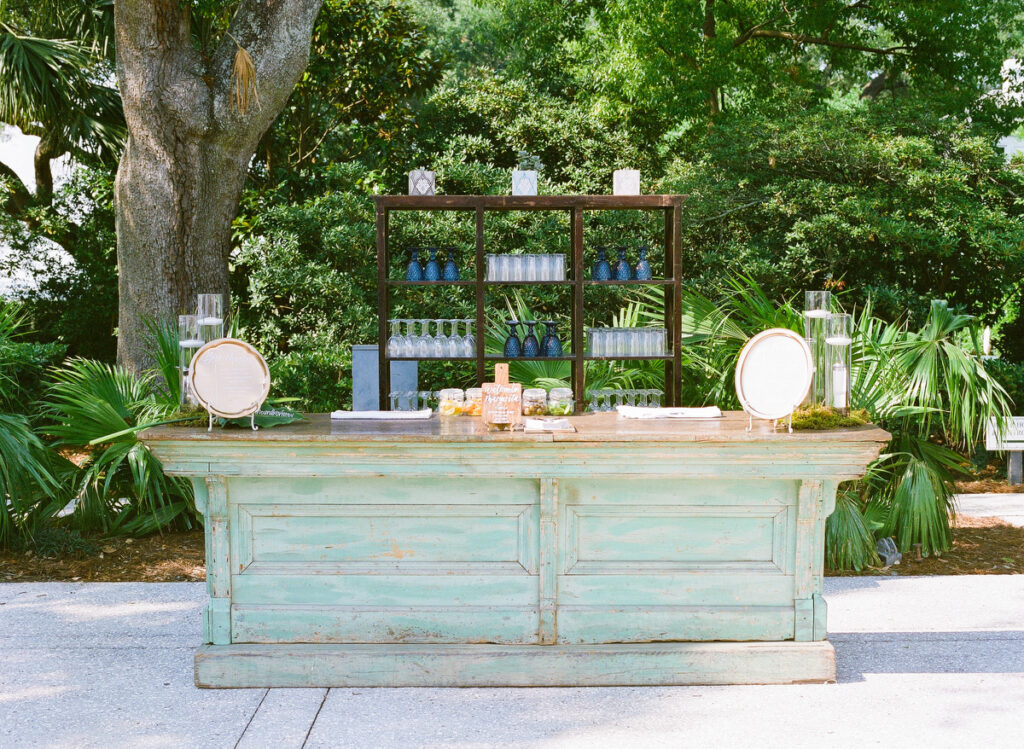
244	91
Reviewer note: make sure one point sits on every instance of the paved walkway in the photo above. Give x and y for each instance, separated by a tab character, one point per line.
1007	507
923	661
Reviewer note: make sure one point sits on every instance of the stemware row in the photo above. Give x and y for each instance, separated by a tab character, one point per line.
424	345
607	399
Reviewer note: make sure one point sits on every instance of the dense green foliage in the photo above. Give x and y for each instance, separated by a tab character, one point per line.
752	108
700	57
890	201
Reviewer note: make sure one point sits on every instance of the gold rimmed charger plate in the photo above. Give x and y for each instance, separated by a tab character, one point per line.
229	378
774	373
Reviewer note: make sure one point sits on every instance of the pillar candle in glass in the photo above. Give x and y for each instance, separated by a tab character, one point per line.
817	308
838	341
211	316
189	341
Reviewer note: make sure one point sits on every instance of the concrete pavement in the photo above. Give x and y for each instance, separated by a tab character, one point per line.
1007	507
923	661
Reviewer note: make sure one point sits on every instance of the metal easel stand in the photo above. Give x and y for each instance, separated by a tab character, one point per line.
252	422
775	423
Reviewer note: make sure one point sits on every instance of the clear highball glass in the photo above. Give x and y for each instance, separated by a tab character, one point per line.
839	340
210	311
817	308
189	341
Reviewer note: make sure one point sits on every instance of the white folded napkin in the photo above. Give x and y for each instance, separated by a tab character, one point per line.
383	415
548	425
642	412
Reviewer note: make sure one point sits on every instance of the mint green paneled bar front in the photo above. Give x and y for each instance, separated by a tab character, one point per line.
435	553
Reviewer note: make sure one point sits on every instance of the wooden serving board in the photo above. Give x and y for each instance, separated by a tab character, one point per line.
502	402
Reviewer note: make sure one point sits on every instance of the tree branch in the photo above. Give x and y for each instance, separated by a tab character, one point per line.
744	37
818	40
18	195
46	151
276	34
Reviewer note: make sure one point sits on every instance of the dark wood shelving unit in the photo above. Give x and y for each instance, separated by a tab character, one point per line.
670	205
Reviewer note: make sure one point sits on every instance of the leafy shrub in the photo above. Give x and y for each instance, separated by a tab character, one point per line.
897	203
849	542
26	364
26	465
71	302
57	541
1011	376
26	478
121	486
928	387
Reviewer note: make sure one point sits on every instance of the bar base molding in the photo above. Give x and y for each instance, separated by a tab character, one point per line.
643	664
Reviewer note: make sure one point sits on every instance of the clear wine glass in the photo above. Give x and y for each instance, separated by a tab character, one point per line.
469	341
395	341
439	346
409	340
454	341
425	342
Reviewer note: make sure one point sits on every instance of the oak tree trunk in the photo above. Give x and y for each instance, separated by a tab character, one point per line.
188	151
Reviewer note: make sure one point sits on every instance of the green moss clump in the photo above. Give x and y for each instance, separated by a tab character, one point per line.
824	417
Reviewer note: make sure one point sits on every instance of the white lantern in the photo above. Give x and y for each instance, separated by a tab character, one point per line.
626	182
524	182
421	182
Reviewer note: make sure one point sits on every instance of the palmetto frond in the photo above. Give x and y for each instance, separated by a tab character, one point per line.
122	485
52	86
928	387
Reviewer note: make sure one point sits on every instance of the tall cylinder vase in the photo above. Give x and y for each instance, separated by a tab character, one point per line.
839	343
817	308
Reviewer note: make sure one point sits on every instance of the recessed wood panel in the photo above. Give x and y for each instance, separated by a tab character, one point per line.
398	624
384	490
624	539
368	539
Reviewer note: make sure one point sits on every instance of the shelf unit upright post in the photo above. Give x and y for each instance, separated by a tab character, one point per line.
576	205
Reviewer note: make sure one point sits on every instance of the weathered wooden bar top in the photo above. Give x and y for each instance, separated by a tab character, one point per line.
436	553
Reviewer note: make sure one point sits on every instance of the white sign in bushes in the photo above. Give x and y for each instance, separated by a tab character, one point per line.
1012	437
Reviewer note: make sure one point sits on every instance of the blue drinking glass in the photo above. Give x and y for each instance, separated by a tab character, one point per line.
414	271
451	267
623	270
513	348
531	346
551	346
602	270
432	271
643	266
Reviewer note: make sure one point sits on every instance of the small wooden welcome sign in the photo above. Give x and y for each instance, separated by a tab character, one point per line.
502	403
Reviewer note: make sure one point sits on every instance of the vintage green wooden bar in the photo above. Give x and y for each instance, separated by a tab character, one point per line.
436	553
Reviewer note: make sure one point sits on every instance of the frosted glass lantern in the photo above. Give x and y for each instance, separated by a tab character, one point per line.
524	182
421	182
626	182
